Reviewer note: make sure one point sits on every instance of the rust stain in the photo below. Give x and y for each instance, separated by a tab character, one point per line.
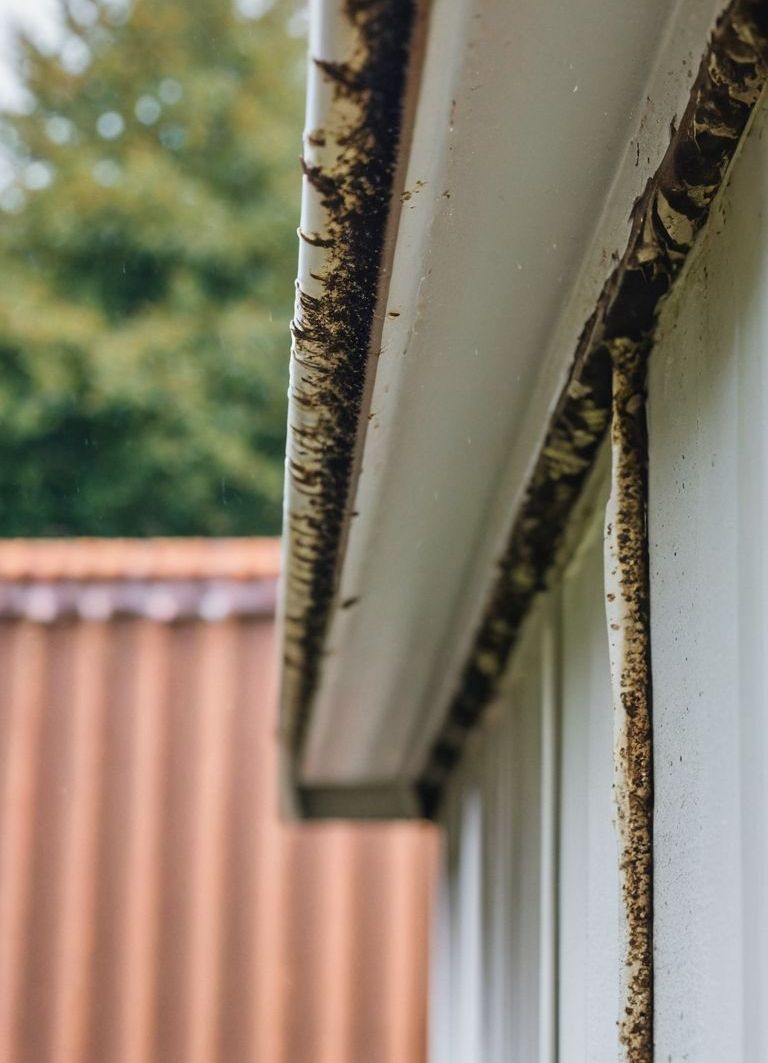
665	222
627	582
332	329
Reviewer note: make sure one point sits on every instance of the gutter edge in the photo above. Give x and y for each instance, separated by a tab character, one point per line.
362	86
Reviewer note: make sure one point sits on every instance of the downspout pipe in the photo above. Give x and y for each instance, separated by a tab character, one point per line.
628	597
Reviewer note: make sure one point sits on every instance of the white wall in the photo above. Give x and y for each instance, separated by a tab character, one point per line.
709	531
589	879
494	918
530	906
533	963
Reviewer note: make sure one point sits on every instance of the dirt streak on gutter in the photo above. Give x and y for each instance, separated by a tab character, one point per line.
354	195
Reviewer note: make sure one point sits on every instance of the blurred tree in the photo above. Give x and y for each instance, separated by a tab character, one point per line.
147	248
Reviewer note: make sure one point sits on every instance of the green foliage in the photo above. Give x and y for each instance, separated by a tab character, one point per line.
147	247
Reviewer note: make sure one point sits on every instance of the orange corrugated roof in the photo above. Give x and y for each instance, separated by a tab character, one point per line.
152	906
139	559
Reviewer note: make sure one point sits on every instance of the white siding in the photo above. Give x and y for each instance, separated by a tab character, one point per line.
494	918
501	910
530	821
708	525
589	878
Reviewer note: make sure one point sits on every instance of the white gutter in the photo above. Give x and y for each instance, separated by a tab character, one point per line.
535	130
359	57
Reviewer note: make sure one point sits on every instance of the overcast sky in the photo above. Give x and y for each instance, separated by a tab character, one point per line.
39	18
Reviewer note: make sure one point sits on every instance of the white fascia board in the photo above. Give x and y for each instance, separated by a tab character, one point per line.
537	126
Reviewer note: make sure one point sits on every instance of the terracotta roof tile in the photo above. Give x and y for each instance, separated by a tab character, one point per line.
139	559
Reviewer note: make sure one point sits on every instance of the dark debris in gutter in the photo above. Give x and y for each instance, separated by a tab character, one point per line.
666	220
332	333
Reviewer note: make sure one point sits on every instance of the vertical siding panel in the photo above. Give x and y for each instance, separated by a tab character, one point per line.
525	915
110	868
215	697
468	985
753	657
589	896
390	887
21	706
139	931
38	994
708	410
249	1002
271	1000
442	966
177	845
549	873
321	933
302	954
404	954
74	935
494	998
334	941
426	844
373	1023
156	907
497	884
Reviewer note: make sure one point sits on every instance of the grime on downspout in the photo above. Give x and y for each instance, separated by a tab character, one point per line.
627	587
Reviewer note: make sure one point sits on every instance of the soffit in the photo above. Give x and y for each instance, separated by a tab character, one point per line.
536	127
